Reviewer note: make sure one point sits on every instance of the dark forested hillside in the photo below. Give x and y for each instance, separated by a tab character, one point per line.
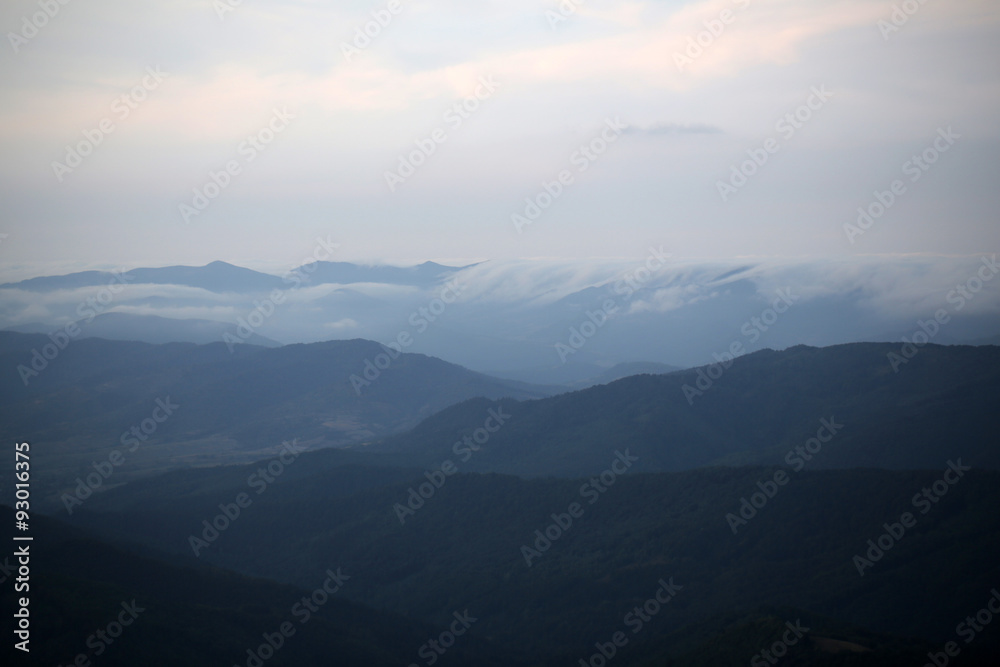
222	406
473	543
940	404
84	591
807	488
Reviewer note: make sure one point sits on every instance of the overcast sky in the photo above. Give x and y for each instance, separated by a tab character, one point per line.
551	80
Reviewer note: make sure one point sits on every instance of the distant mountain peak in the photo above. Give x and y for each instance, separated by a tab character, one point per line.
220	277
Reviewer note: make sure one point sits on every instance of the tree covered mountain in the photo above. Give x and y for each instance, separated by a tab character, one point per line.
632	520
761	408
556	579
87	400
93	603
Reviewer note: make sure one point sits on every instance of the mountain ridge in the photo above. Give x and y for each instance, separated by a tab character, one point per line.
222	277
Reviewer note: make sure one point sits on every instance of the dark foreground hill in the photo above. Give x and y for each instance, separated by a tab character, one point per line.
115	607
556	579
941	403
592	554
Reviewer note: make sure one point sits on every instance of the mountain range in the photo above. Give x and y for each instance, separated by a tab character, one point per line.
543	322
222	277
844	494
237	405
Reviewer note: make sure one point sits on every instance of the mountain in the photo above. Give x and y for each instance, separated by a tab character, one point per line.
221	277
546	322
849	490
214	277
554	593
427	274
230	406
197	616
940	404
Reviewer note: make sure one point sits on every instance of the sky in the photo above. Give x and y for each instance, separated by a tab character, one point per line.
135	133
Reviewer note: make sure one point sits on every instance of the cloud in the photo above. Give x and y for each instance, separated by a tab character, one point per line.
354	120
667	299
539	282
202	97
895	286
216	313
